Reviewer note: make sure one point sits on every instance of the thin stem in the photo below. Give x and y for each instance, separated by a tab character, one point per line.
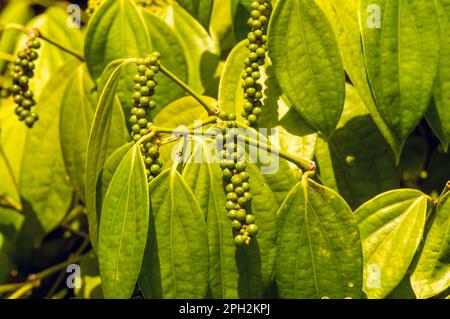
444	192
59	46
10	169
74	231
11	204
302	163
212	110
191	130
6	57
37	33
22	291
34	280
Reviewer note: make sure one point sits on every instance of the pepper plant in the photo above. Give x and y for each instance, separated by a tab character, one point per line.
225	149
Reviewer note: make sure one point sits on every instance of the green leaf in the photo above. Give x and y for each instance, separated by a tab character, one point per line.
432	273
438	113
45	188
201	51
12	139
99	144
10	224
356	161
391	226
14	12
117	30
402	56
5	261
166	42
343	15
77	113
53	24
234	272
176	257
90	279
307	62
240	12
199	9
107	173
319	251
123	227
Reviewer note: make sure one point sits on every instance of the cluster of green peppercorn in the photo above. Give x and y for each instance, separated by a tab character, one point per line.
257	45
236	181
23	71
144	88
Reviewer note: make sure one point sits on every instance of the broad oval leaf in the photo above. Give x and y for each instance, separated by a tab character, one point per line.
391	226
176	258
438	115
402	54
123	227
45	189
307	62
343	16
116	31
166	42
432	273
234	272
77	113
356	161
202	53
319	250
99	140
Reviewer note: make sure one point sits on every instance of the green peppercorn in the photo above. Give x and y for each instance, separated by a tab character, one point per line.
253	229
236	180
250	219
231	214
235	224
229	205
239	240
240	214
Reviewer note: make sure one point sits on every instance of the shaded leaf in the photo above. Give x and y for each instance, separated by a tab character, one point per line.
77	113
176	258
319	251
343	15
45	188
99	144
123	227
402	56
356	161
307	62
199	9
438	113
391	226
202	53
432	273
